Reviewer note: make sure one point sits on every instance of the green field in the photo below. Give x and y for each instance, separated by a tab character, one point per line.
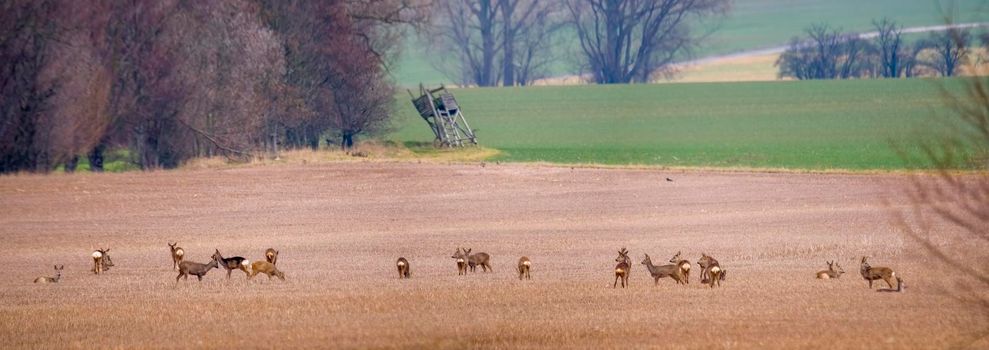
754	24
794	124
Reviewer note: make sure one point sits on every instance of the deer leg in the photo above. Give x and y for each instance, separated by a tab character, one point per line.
615	285
200	277
229	270
888	283
870	284
177	277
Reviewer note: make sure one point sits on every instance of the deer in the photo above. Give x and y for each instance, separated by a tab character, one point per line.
233	263
58	276
265	267
623	268
711	271
177	254
672	271
899	287
870	273
524	266
461	262
187	268
834	271
684	265
404	269
271	255
482	259
101	261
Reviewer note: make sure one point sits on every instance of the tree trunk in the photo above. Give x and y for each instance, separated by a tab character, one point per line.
71	164
508	43
96	159
347	141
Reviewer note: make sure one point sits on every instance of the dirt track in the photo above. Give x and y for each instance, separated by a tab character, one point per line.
340	228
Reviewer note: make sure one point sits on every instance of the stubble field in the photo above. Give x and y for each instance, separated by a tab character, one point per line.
341	226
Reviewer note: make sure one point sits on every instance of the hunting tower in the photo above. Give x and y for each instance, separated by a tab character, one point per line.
443	114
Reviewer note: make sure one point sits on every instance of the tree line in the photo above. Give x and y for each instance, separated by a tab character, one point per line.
828	53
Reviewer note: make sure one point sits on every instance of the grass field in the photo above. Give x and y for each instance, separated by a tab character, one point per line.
815	125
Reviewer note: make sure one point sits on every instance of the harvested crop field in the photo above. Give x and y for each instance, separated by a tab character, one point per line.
340	227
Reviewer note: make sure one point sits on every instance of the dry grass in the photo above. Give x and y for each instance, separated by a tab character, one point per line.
341	226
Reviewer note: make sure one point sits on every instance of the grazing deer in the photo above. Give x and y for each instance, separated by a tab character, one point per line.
233	263
623	268
265	268
711	271
58	276
101	261
672	271
524	266
271	255
684	267
482	259
177	254
899	287
187	268
404	269
870	273
461	261
834	271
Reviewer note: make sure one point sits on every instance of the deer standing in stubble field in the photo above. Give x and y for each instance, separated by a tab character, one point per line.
684	265
870	273
524	266
271	255
232	263
177	254
834	271
482	259
623	268
58	276
711	271
187	268
101	261
672	271
404	269
461	261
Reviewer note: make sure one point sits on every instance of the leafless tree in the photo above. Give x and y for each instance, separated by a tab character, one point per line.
827	53
625	41
892	49
949	50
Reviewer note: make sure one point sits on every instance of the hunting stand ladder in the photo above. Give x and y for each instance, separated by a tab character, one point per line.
443	114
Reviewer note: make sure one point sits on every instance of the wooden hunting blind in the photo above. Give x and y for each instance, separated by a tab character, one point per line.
440	110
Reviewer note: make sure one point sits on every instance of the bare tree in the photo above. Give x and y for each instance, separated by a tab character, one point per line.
625	41
892	50
949	50
827	53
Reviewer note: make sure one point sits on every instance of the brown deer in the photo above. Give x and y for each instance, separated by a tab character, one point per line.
187	268
101	261
524	266
271	255
623	268
58	276
265	268
461	261
233	263
834	271
404	269
899	287
672	271
684	267
711	271
482	259
870	273
177	254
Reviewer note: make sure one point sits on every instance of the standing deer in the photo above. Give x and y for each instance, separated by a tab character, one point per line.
233	263
404	269
461	261
265	268
684	265
834	271
672	271
899	287
482	259
187	268
271	255
58	276
177	254
870	273
711	271
101	261
623	268
524	266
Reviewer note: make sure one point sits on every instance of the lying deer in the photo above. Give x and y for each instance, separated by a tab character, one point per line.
101	261
177	254
233	263
58	276
684	267
899	287
870	273
524	266
187	268
404	269
834	271
623	268
672	271
482	259
271	255
711	271
265	268
461	262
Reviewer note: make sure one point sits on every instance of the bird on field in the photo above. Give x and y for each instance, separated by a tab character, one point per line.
669	180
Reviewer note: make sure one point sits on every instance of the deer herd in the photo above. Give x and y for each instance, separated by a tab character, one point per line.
678	269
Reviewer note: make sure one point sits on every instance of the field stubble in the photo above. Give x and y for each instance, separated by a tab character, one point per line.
340	227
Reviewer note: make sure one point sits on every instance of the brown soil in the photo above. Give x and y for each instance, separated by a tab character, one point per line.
340	228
